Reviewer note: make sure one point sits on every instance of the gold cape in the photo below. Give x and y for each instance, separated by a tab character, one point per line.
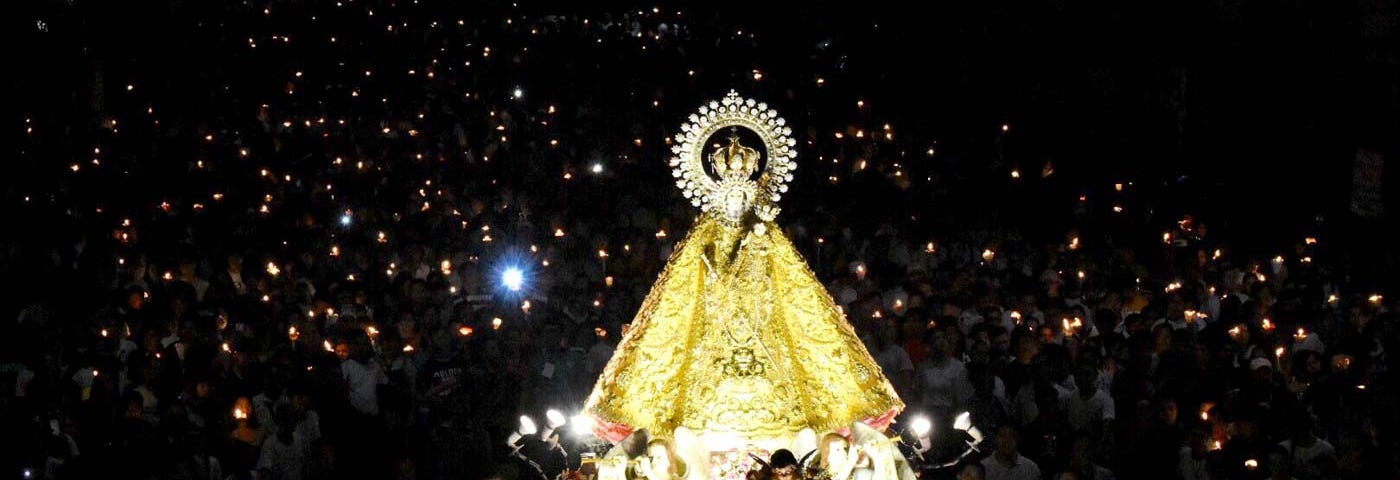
740	342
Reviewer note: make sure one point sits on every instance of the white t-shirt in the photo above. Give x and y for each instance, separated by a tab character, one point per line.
1023	469
364	381
1083	413
1190	468
894	359
945	385
283	461
1305	458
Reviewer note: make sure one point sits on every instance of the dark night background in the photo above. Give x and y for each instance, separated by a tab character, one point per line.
1247	111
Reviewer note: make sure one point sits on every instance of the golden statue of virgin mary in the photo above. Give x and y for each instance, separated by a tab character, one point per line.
737	340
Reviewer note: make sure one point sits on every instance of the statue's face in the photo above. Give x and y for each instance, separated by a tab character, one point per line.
735	202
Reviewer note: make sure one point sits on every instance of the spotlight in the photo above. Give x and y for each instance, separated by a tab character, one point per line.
518	93
921	426
555	419
596	168
527	425
582	424
975	434
513	279
963	422
345	220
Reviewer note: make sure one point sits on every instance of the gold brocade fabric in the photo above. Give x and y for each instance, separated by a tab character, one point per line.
737	337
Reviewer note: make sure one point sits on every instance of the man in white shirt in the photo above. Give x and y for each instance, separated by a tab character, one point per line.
363	380
893	360
1307	453
1007	463
943	382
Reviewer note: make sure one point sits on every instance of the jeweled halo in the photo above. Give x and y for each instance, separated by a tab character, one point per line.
688	154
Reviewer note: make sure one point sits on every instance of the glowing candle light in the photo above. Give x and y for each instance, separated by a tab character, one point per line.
465	331
988	255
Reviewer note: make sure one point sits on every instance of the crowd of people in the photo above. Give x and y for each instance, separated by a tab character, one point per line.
305	269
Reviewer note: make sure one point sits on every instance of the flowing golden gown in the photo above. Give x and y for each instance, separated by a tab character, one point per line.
739	342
